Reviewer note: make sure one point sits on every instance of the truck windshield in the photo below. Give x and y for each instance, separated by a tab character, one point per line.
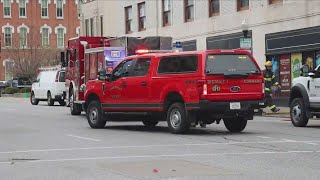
229	64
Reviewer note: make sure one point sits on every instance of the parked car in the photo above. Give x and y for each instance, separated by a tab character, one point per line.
50	87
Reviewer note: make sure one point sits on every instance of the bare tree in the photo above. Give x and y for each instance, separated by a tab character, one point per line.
30	56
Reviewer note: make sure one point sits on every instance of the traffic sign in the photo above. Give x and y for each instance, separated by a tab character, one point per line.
245	43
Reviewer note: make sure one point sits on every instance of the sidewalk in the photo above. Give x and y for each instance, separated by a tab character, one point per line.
284	112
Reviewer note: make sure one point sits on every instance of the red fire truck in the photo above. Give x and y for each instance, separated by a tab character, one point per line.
85	56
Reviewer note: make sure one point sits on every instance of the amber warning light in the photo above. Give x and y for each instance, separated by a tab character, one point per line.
145	51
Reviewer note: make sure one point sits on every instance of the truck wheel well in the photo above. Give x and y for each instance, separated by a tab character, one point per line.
295	94
90	98
171	98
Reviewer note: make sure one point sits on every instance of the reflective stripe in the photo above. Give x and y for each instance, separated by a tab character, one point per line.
271	107
267	79
267	89
273	76
276	83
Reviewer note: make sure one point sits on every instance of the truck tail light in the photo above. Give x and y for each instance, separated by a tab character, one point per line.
57	77
202	87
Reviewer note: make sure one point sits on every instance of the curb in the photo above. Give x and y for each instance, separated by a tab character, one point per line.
16	95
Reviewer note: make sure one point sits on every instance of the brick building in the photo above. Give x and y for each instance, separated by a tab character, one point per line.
35	24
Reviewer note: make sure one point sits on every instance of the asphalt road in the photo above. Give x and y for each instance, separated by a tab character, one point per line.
41	142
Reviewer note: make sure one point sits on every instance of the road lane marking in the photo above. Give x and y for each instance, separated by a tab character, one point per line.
166	155
264	137
151	146
315	144
83	138
288	140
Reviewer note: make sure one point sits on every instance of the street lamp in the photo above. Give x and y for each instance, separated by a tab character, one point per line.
245	28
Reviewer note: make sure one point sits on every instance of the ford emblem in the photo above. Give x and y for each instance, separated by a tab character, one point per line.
235	88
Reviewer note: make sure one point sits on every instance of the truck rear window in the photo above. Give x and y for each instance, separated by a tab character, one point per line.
230	64
178	64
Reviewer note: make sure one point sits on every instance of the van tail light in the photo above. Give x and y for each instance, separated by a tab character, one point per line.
57	78
202	87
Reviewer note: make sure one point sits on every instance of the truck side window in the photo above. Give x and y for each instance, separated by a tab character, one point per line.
141	67
123	70
178	64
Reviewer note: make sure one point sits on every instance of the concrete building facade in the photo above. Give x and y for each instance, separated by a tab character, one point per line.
280	29
27	24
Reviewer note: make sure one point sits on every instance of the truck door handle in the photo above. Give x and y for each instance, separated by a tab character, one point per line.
143	83
124	84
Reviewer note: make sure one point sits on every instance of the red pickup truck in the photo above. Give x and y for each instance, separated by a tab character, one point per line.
183	88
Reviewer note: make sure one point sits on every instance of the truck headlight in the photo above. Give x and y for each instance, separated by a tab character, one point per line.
83	87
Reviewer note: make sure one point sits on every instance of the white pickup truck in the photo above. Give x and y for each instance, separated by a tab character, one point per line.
305	97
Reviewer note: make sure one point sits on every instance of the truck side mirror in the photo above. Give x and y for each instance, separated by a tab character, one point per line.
311	74
102	74
63	59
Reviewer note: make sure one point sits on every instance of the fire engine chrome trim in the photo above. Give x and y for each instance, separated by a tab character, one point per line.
79	102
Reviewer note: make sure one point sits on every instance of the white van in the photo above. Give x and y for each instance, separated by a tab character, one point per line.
50	87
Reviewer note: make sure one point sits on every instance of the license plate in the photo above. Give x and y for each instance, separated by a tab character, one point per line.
235	105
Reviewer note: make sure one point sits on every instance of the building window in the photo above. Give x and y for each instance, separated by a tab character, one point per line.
78	31
79	7
166	13
7	8
45	36
87	27
44	8
142	16
8	36
23	37
242	5
275	1
128	15
101	26
214	7
91	27
59	9
188	10
22	8
60	38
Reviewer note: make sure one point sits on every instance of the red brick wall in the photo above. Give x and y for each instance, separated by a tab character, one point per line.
34	22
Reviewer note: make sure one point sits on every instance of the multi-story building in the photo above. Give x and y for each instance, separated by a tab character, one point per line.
284	31
29	27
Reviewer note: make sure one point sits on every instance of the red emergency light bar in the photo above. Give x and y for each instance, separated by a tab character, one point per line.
145	51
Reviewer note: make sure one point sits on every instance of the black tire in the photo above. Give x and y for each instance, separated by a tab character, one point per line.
75	109
298	113
33	100
49	99
62	103
177	118
236	124
95	115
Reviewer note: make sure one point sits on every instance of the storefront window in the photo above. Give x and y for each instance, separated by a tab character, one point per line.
308	59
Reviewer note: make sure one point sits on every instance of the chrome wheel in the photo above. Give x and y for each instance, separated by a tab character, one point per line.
49	98
33	98
71	102
175	118
93	115
296	113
